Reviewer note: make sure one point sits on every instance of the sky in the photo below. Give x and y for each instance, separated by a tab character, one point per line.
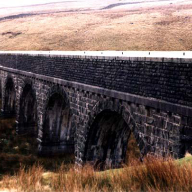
15	3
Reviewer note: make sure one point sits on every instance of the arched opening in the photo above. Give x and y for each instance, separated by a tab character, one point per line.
28	112
107	141
56	125
9	100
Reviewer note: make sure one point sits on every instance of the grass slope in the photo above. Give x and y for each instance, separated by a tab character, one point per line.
164	27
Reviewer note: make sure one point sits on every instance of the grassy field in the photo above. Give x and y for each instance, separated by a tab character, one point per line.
22	170
153	175
158	26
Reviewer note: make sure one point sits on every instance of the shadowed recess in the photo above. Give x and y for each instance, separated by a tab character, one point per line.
28	112
107	141
56	122
10	94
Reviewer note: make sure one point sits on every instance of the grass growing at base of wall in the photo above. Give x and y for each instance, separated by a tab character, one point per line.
21	150
22	170
17	150
153	175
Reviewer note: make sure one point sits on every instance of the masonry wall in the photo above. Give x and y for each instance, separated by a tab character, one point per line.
166	79
162	132
42	90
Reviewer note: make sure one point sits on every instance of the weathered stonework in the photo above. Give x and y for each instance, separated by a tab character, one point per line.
89	105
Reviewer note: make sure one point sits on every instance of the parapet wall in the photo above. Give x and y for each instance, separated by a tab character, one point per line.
168	79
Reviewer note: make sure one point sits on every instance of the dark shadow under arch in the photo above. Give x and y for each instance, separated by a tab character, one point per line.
107	140
28	112
9	97
56	124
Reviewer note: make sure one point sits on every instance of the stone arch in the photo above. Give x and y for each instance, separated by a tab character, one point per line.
107	133
9	99
27	117
56	128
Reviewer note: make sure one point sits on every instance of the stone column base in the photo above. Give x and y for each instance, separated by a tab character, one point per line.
53	149
30	129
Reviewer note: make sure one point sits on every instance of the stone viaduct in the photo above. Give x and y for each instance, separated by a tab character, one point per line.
88	104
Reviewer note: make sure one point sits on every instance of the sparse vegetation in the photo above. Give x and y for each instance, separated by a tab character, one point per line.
153	175
17	151
22	170
166	26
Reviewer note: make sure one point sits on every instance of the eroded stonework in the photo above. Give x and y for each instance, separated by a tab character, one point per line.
92	115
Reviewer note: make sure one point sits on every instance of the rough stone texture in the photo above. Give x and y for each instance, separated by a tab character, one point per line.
9	92
40	91
165	79
28	110
151	97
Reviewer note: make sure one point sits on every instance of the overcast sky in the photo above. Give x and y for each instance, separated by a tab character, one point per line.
13	3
